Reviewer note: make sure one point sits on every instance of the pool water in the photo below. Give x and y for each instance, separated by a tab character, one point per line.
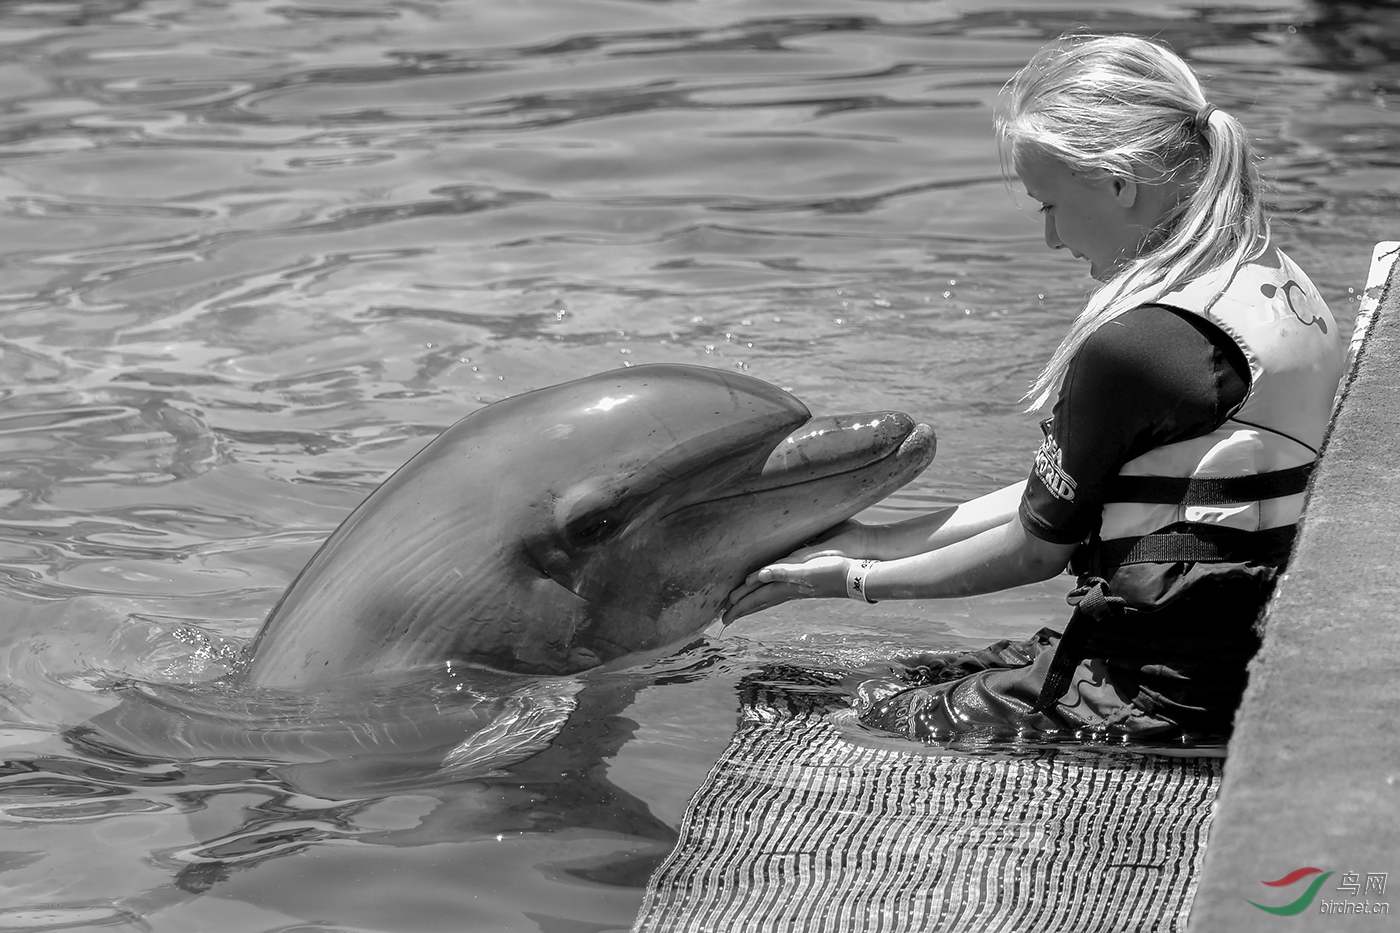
255	253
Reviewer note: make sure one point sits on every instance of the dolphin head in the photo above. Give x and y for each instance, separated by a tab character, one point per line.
577	524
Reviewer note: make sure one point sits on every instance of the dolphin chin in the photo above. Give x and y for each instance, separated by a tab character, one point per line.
579	524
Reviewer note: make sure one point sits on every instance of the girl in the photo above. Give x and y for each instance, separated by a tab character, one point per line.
1192	395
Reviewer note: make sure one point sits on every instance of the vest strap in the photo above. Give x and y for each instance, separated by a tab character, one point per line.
1095	606
1197	542
1209	490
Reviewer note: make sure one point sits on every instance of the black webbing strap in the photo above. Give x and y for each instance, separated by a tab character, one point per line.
1196	542
1094	605
1214	490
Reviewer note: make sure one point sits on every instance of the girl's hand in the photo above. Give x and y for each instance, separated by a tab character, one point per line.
815	577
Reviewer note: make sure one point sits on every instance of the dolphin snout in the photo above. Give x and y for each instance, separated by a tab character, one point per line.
841	443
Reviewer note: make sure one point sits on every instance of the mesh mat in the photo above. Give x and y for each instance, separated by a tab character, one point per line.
798	828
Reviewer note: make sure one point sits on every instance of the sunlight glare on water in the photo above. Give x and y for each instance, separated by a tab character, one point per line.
255	253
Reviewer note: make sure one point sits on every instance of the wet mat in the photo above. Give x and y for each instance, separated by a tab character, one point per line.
798	828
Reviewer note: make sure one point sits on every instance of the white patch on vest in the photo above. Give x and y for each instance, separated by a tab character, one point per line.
1048	466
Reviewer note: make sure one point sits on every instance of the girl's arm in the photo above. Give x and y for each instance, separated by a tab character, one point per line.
984	561
947	526
996	559
926	532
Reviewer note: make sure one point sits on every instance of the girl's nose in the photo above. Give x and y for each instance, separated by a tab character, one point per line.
1052	239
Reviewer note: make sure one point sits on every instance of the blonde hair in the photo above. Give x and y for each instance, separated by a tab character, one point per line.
1128	107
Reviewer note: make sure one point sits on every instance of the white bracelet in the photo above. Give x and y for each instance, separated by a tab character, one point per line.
856	572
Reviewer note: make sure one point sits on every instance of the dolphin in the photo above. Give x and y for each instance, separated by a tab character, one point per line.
578	525
476	628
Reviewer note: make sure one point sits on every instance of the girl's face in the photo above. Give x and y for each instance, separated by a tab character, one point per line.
1100	218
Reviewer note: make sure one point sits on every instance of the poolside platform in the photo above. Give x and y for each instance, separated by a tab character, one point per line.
806	825
1313	774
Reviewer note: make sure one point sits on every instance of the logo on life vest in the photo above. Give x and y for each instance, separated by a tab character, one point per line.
1269	291
1048	466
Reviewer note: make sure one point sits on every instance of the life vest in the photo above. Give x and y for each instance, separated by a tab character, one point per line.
1239	489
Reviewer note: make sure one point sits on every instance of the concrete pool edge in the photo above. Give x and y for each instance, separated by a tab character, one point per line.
1312	780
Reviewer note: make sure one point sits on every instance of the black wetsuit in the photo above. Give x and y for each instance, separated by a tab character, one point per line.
1172	658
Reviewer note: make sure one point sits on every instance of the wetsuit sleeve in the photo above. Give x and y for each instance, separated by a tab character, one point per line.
1150	377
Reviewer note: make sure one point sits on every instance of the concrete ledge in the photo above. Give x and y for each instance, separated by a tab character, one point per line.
1313	774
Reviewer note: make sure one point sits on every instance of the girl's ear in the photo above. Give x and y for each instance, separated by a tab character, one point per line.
1125	191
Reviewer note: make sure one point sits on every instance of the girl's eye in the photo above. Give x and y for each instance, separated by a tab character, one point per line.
1045	208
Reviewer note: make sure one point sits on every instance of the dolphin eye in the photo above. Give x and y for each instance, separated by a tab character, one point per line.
595	514
595	527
